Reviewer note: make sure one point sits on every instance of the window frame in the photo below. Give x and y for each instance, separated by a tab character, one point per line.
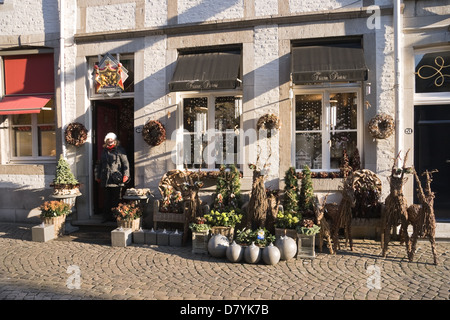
325	90
428	97
211	96
9	138
34	141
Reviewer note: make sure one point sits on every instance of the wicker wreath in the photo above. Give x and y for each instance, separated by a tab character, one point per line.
154	133
381	126
76	134
268	122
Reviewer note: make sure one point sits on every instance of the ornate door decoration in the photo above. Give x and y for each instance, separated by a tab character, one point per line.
110	75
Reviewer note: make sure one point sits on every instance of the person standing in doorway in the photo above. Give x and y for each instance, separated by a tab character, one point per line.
113	172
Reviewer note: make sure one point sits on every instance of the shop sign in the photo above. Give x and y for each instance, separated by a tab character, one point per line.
331	76
110	75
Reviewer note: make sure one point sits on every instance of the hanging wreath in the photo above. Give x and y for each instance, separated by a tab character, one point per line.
154	133
269	122
76	134
381	126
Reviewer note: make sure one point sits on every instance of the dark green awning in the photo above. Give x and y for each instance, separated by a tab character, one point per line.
328	63
206	71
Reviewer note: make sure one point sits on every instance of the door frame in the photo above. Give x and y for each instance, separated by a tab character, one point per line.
94	152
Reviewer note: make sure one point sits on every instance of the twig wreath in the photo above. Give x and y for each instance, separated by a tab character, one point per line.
154	133
76	134
381	126
268	122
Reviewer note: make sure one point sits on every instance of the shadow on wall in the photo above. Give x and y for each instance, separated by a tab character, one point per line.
21	204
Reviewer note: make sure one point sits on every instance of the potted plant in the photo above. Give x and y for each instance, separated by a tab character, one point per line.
288	215
252	241
55	212
244	237
223	222
200	231
65	182
286	224
65	185
128	215
306	235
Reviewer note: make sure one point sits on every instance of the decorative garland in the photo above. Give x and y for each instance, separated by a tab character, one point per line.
76	134
154	133
381	126
268	122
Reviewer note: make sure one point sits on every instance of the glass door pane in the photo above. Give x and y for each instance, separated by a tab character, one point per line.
227	118
195	116
308	135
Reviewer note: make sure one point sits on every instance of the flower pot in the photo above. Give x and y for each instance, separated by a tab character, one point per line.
134	224
200	241
306	246
285	232
57	222
225	231
271	254
68	198
235	252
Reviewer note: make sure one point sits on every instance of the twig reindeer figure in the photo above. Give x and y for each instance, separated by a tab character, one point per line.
422	217
325	231
343	218
395	209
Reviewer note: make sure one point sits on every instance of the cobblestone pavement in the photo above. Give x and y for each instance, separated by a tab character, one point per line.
87	267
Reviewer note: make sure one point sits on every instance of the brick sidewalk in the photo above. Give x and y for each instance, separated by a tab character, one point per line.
89	268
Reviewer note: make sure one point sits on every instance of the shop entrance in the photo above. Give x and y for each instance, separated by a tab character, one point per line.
115	115
432	151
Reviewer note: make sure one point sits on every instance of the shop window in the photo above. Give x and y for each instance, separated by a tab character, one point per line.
211	131
326	123
33	134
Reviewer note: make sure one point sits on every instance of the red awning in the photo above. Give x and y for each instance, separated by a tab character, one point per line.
23	104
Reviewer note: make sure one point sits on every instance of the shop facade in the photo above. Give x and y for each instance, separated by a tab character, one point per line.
210	71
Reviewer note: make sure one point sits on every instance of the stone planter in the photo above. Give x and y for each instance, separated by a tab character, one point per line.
57	222
306	246
134	224
200	241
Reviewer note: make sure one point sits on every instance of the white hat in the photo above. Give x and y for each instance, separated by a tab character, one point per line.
111	135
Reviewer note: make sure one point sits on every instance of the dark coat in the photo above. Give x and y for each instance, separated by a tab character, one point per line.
112	160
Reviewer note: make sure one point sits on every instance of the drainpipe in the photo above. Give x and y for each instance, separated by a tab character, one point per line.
399	102
62	74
